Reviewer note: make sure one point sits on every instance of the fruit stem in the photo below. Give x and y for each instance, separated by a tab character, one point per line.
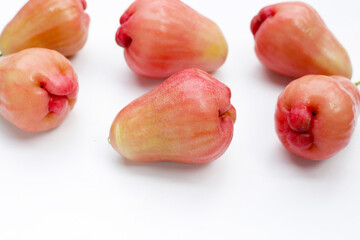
109	140
357	83
0	54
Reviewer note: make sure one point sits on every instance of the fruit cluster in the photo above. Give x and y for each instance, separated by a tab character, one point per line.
188	118
316	114
38	86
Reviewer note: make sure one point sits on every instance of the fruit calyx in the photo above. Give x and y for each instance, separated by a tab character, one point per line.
84	4
260	18
300	121
59	92
57	104
122	39
230	112
126	15
300	140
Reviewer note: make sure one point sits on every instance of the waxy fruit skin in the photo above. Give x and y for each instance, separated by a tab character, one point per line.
58	25
38	88
291	39
316	115
162	37
188	118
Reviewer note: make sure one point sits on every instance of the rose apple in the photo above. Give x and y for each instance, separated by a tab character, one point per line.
292	39
162	37
188	118
59	25
316	115
38	88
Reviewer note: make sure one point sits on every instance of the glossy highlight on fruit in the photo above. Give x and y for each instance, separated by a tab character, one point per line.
58	25
316	115
291	39
188	118
38	88
162	37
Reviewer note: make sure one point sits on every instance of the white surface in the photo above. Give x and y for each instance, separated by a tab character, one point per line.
70	184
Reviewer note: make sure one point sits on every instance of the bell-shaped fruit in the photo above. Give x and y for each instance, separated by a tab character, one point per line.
188	118
38	88
59	25
162	37
316	115
291	39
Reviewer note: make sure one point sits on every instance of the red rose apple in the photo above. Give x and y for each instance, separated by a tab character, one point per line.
316	115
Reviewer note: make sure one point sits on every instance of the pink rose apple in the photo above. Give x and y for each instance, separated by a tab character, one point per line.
291	39
188	118
162	37
316	115
61	25
38	88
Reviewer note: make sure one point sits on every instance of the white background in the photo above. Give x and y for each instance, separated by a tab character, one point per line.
69	184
